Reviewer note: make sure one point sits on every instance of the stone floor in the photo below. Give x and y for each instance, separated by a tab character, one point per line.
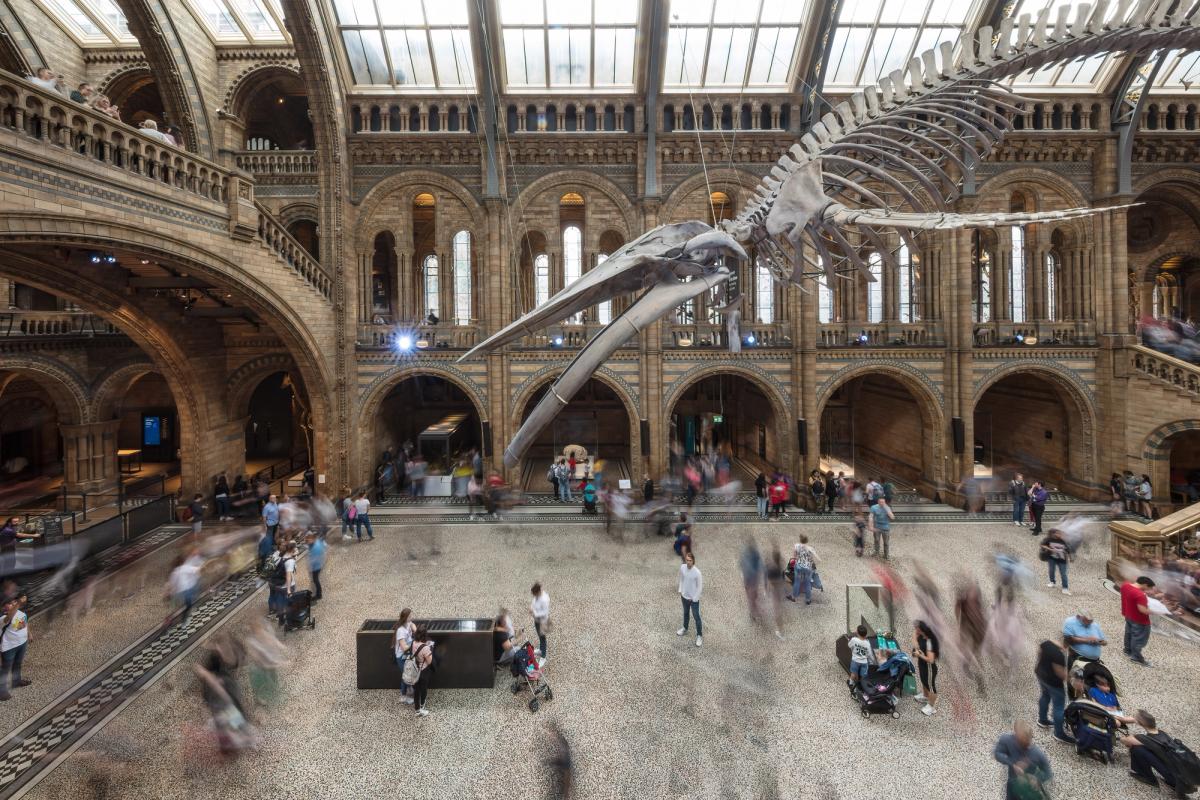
648	714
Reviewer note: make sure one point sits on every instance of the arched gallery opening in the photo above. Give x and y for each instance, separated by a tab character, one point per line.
1183	468
274	429
276	114
434	415
149	423
1024	423
728	415
31	447
874	427
595	420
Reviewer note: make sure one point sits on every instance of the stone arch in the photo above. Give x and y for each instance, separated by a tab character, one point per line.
1001	186
1158	258
245	379
110	386
1157	177
924	391
246	81
578	178
372	398
745	181
1071	386
1153	449
627	394
66	388
118	76
297	212
408	184
776	394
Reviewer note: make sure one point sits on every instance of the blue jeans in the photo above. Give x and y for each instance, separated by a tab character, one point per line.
692	606
1019	509
859	671
359	521
1136	637
564	491
537	625
347	523
10	663
1062	571
1054	699
224	509
762	507
803	578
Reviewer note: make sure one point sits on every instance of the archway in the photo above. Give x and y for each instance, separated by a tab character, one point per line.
274	109
31	447
1027	422
596	419
1183	462
876	426
273	429
136	94
149	423
433	415
727	415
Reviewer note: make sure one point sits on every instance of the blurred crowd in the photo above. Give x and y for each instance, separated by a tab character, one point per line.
1175	337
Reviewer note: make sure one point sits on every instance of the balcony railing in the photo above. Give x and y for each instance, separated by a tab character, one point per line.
14	324
1182	375
1006	334
277	163
712	334
276	237
47	116
424	338
879	334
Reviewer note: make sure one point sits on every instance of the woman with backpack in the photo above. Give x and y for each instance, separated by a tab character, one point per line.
817	489
418	669
402	642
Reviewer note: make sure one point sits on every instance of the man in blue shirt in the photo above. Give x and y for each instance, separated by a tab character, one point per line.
1084	637
880	524
1028	767
270	515
316	561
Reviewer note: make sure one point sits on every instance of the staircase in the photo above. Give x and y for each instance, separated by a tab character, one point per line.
1178	375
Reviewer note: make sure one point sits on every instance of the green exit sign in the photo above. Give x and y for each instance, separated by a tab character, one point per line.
718	418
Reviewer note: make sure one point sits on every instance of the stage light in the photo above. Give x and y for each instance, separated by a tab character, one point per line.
111	259
863	338
422	343
749	341
95	259
404	343
1020	338
557	341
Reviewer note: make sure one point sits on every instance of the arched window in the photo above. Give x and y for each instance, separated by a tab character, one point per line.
875	289
1016	299
430	273
981	301
604	309
541	279
462	278
1051	286
572	262
764	294
824	302
908	283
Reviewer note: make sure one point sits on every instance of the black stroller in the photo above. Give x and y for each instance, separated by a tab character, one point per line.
1094	728
299	611
879	692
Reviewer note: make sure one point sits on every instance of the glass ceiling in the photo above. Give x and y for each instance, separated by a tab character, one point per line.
91	22
101	22
553	44
1084	74
875	37
407	44
733	44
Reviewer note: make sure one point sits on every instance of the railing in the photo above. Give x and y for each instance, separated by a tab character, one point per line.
1180	374
54	323
879	334
714	334
421	338
1004	334
281	469
276	237
277	163
1147	541
72	127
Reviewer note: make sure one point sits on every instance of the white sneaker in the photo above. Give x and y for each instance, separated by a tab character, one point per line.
920	698
699	641
928	710
681	632
424	712
1017	524
1067	592
407	700
1050	585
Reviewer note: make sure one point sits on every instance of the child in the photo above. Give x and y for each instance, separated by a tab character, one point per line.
860	654
860	526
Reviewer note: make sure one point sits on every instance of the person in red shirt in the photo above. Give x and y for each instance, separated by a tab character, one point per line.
779	497
1135	609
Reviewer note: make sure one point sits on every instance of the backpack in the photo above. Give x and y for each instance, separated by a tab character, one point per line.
351	510
1181	760
789	574
412	671
818	487
279	575
550	476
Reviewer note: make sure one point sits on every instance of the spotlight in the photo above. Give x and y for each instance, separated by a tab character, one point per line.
749	340
95	259
404	343
111	259
863	338
1019	338
557	341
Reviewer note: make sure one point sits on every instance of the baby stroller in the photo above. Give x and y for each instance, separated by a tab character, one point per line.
299	611
879	692
527	670
1094	728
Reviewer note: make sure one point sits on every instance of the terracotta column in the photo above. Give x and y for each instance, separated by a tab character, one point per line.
90	456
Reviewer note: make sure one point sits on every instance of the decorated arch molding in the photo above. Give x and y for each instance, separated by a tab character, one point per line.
927	394
1157	177
377	390
1157	258
247	80
410	183
1070	381
573	179
113	382
122	73
68	389
777	394
245	379
1024	178
521	396
717	179
297	212
1156	448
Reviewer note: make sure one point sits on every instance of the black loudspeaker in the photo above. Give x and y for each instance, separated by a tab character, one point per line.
802	435
959	432
487	439
645	426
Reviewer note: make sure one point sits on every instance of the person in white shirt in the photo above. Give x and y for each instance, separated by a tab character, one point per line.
540	609
13	643
44	78
149	128
183	583
691	584
402	647
362	516
860	654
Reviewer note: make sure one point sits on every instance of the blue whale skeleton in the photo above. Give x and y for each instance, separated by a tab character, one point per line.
891	157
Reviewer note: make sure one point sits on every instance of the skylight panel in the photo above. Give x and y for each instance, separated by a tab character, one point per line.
91	22
874	38
553	44
407	44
